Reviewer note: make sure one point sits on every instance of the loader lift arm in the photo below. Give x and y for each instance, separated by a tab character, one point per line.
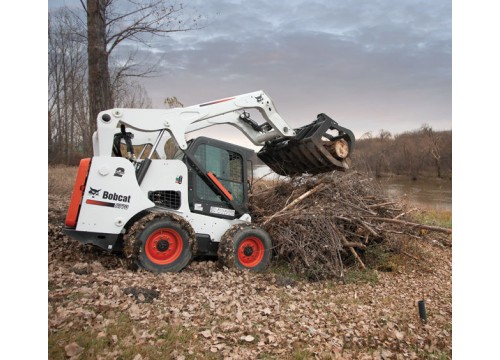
309	149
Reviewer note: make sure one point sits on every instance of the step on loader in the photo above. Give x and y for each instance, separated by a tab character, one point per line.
161	207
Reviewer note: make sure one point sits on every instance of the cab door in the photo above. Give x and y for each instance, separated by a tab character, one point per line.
227	162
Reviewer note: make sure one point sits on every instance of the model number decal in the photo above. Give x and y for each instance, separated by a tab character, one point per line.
221	211
121	206
107	204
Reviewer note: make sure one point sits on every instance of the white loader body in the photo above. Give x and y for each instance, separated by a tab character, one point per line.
162	199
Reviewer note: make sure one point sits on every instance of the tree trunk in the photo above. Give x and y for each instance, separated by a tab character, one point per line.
49	141
438	166
99	80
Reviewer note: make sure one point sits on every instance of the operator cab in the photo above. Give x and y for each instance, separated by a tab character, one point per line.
226	165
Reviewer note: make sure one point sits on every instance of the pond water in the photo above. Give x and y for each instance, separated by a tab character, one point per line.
431	193
262	171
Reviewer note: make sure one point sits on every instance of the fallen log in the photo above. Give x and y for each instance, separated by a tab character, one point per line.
407	223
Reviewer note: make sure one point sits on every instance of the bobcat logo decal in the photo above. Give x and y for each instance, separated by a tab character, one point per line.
119	172
94	192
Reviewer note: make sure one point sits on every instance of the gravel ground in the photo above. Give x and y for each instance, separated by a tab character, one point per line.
99	309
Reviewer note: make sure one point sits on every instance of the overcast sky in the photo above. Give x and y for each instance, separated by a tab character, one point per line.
370	65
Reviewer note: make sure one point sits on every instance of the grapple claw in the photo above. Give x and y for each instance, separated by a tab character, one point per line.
312	150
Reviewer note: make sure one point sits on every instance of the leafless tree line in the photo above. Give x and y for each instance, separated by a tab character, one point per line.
84	78
67	83
70	127
413	153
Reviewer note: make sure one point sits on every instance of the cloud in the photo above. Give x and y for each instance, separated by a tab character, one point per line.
376	64
371	65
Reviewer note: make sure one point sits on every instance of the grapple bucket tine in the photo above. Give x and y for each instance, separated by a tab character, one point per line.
285	158
311	151
303	158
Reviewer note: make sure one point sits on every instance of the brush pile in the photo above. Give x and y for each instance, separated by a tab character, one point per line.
320	222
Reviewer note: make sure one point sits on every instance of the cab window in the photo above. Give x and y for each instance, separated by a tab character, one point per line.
226	165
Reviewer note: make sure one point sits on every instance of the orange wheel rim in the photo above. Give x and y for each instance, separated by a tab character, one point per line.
164	246
251	251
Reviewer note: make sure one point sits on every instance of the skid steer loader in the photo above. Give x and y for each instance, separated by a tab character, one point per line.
161	210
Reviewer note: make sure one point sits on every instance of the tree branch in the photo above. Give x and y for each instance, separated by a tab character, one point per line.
421	226
296	201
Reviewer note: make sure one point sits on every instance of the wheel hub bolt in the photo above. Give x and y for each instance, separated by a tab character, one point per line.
162	245
247	251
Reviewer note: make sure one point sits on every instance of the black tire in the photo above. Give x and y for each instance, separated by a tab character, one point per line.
245	247
164	246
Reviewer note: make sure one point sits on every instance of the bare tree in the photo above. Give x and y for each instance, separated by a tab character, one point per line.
67	101
433	142
372	152
414	152
130	94
173	102
99	81
110	23
69	133
411	153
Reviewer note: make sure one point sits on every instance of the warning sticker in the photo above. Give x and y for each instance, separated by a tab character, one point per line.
222	211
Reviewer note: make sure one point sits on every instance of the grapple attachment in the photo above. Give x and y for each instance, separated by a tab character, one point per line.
312	150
